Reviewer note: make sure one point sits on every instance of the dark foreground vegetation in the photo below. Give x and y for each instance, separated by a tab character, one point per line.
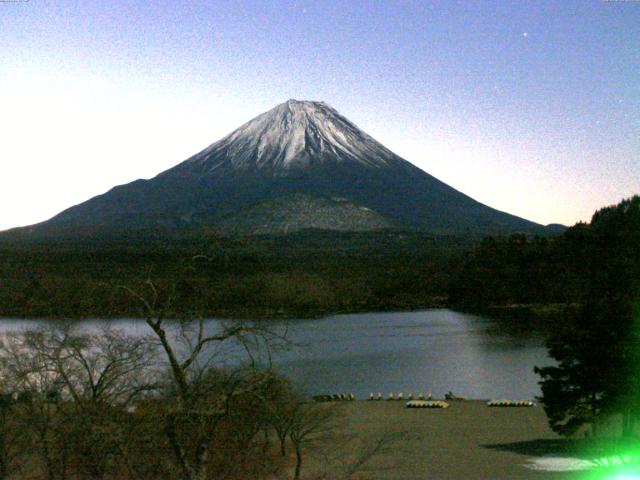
102	405
598	346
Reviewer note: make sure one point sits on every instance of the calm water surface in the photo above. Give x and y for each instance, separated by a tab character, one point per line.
431	351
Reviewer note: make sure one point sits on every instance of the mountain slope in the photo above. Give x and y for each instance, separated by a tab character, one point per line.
299	211
296	148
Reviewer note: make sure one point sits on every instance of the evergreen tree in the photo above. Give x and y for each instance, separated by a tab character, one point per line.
598	354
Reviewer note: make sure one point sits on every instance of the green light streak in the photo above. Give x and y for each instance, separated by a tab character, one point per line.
617	460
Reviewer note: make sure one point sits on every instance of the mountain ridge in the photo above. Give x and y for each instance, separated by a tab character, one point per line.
298	147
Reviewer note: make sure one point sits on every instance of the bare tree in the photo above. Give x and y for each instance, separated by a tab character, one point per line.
26	373
281	406
74	389
9	436
203	394
311	422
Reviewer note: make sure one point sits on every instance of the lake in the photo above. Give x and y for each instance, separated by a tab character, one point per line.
436	351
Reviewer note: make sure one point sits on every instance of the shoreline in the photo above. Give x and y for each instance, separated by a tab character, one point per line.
512	312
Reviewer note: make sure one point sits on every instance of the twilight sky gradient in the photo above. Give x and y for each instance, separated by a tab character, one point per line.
531	107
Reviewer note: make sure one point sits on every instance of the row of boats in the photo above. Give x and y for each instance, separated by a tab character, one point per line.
491	403
427	404
510	403
422	400
336	397
400	396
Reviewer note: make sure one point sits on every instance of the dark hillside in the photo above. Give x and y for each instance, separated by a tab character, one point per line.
523	270
301	274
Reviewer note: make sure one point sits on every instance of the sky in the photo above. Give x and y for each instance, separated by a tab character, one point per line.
531	107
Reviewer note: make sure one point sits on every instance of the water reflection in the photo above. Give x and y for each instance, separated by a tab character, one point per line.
431	350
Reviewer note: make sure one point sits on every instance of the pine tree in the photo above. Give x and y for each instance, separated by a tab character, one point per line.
598	353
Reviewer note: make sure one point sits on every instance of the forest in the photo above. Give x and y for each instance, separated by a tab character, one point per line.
309	273
303	274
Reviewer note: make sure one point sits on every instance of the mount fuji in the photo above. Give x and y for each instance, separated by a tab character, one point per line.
301	165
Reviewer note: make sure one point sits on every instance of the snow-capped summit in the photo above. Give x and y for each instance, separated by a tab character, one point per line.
293	135
300	165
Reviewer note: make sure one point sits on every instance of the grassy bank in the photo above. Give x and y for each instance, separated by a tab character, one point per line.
468	440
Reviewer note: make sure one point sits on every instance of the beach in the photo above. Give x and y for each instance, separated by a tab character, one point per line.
468	440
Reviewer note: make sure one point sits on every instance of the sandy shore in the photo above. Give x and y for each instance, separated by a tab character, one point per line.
466	441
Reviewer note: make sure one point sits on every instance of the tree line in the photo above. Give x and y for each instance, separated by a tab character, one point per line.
307	274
